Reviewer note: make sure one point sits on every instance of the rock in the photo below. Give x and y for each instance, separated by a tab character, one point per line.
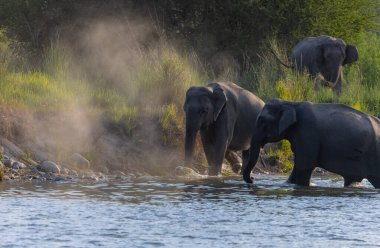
39	156
65	171
73	173
49	166
8	162
6	177
104	169
18	165
12	148
79	161
236	167
187	172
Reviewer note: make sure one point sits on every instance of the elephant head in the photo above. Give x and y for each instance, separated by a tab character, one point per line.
272	125
333	56
324	56
203	106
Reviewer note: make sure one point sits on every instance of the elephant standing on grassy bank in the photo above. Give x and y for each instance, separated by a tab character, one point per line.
335	137
323	56
224	114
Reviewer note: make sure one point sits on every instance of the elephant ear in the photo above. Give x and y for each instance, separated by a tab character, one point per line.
352	54
219	100
288	118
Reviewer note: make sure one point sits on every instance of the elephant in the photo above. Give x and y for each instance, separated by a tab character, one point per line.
323	57
334	137
223	113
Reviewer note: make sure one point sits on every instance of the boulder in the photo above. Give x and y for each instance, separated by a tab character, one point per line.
8	162
49	166
187	172
18	165
79	161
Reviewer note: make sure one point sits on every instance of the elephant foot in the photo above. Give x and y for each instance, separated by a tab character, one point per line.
300	177
214	171
248	178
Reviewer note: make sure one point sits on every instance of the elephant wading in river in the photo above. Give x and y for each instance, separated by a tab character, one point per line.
223	113
331	136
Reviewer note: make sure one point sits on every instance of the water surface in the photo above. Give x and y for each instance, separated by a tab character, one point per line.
157	212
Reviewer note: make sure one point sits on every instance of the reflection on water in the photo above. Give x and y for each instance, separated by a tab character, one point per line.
222	212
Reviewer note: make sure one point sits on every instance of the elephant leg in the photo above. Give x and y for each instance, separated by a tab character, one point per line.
234	160
219	153
338	86
300	177
303	166
215	147
245	154
208	147
349	180
375	181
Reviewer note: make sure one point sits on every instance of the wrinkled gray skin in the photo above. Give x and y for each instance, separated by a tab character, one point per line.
330	136
326	56
225	114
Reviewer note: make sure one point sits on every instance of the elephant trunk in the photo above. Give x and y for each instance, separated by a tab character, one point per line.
253	157
191	133
333	78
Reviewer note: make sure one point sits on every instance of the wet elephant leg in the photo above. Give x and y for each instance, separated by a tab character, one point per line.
303	168
349	180
234	160
245	154
208	147
215	146
300	177
219	152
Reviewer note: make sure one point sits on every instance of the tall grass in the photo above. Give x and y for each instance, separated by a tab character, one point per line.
361	85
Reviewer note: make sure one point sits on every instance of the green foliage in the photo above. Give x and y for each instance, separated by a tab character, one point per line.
4	51
164	78
284	154
369	61
124	117
33	90
340	18
168	117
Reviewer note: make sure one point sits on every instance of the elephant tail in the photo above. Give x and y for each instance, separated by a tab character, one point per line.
279	60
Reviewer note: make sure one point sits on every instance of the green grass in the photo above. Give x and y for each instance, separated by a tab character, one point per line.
33	90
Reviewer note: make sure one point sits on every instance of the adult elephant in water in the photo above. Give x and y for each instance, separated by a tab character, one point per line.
324	56
335	137
224	113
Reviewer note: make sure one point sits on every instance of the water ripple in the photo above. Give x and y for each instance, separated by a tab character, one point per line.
157	212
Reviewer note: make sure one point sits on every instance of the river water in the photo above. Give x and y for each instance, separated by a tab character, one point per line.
157	212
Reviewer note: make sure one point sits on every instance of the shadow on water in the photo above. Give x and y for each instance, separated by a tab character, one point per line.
156	190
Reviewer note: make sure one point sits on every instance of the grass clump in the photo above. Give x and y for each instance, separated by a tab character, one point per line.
33	90
283	154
